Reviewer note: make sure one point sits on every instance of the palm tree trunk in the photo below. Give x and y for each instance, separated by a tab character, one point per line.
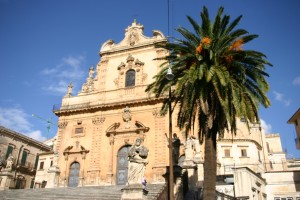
210	165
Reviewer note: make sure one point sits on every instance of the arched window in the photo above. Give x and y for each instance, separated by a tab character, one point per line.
130	78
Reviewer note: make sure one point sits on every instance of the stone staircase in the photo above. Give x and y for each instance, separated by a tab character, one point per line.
78	193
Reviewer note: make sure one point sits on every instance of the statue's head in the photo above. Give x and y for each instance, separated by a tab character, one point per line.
138	142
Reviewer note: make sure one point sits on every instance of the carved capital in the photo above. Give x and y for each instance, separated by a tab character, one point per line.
98	120
111	139
62	124
156	113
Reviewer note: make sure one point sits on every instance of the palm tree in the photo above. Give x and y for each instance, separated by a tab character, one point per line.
216	82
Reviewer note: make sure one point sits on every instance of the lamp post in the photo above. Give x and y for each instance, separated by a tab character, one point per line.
170	77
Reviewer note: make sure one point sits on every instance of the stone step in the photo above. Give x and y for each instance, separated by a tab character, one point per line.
77	193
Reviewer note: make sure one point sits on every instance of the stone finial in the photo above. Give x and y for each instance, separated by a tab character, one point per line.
130	58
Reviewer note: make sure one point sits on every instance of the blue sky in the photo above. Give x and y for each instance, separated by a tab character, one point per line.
45	44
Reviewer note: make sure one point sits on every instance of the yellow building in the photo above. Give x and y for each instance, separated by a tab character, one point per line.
112	110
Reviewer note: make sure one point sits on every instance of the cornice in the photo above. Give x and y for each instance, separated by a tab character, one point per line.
115	105
242	140
25	138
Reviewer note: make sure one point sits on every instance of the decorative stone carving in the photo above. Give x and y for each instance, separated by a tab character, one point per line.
130	59
121	66
127	117
79	149
133	38
98	120
111	139
156	113
88	86
62	124
116	82
2	162
137	157
9	163
131	64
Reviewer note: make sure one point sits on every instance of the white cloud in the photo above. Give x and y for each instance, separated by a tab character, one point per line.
60	87
37	135
49	71
267	127
70	69
296	81
17	120
281	98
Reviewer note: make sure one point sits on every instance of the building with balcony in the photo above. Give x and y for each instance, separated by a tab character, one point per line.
19	159
295	119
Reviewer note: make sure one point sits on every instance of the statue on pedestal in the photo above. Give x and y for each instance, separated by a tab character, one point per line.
176	148
9	163
137	157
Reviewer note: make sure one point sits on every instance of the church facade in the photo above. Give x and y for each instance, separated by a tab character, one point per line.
97	127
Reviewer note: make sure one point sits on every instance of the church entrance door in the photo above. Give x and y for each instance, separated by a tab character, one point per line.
74	174
122	165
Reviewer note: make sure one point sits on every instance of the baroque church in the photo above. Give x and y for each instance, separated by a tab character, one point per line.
97	127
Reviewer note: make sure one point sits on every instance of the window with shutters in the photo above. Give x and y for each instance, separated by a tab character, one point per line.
244	152
9	151
227	152
36	161
24	158
41	165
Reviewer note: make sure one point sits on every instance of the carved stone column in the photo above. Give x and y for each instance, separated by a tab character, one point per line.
61	126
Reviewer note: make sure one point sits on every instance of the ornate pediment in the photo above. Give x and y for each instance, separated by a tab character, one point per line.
78	149
134	37
116	129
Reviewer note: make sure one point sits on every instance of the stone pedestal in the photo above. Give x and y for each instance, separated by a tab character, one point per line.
53	176
200	170
7	180
192	175
134	192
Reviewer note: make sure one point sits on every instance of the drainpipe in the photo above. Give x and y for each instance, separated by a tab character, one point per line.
17	163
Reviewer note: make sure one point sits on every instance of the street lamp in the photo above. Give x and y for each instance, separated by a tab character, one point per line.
170	77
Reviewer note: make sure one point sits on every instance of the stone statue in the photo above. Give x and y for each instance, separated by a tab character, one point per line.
132	38
192	150
70	88
176	148
137	157
9	162
85	88
91	72
197	150
2	162
188	149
